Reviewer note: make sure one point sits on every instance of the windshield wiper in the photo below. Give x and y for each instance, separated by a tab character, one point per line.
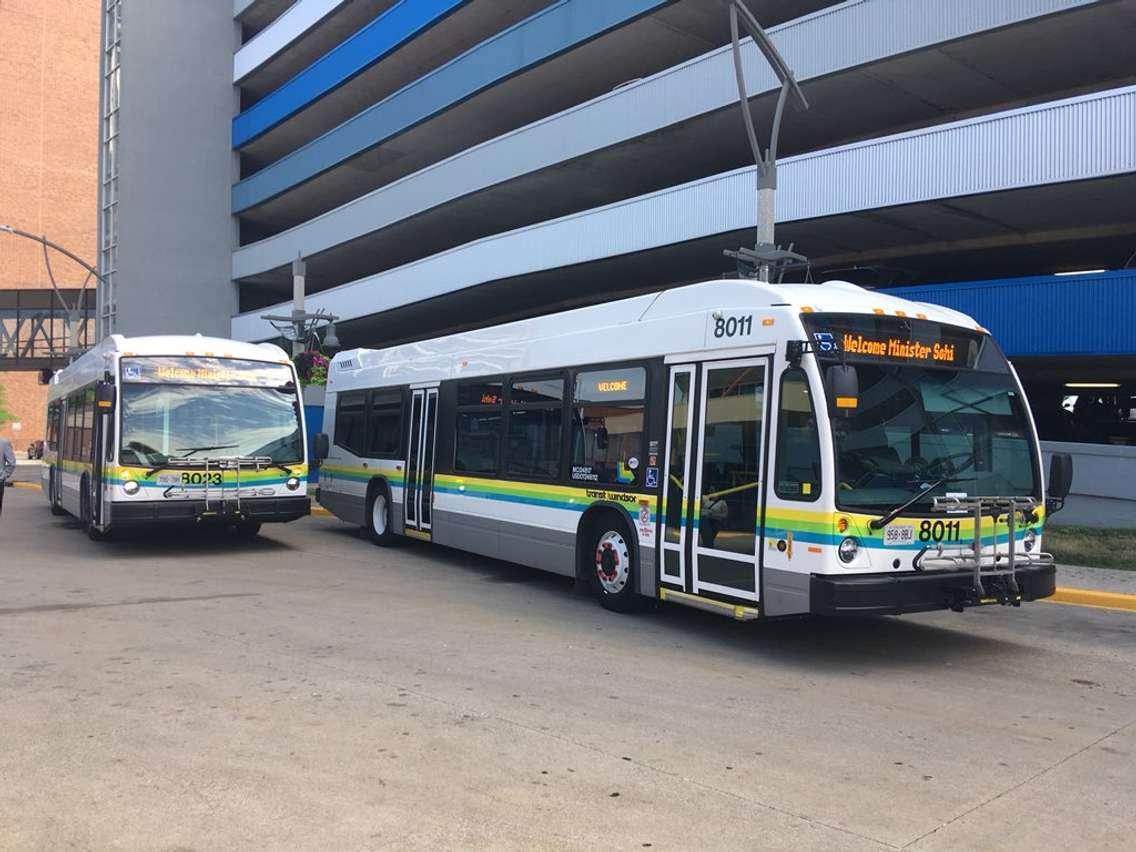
883	521
188	451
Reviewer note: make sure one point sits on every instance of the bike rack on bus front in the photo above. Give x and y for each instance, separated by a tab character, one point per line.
235	464
971	557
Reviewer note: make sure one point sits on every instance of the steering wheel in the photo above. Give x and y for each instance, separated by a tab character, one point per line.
946	463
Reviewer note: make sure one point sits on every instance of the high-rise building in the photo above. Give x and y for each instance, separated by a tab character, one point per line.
451	163
49	96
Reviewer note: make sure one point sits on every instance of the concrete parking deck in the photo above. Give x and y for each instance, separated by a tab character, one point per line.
310	690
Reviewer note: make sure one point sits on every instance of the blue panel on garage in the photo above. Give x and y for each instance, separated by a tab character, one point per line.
525	45
1046	314
398	25
313	423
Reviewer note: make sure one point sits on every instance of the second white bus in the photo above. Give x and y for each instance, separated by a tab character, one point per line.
176	429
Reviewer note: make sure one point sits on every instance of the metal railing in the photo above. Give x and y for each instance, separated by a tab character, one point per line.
36	333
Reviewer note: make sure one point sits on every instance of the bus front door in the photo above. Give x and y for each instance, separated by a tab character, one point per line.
714	461
418	492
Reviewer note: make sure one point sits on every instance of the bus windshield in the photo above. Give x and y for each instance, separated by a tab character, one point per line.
915	426
189	420
938	411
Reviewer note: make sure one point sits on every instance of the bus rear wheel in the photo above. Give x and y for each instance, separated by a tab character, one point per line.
379	518
610	564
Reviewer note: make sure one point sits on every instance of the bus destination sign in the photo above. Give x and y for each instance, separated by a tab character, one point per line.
189	370
898	341
898	349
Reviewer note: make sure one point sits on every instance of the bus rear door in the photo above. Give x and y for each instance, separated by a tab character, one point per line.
419	489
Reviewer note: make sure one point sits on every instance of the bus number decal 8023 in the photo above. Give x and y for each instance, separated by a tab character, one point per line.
940	530
733	326
199	478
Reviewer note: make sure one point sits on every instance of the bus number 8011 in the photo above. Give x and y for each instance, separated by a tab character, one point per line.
940	530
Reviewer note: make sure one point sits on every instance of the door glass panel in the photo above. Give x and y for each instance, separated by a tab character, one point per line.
731	467
412	463
427	479
676	461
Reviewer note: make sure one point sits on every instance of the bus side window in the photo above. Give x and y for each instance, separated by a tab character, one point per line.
88	445
53	427
477	430
385	419
350	417
797	470
607	425
71	433
534	437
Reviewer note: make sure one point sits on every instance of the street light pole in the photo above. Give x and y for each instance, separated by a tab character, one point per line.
73	315
300	326
765	254
299	278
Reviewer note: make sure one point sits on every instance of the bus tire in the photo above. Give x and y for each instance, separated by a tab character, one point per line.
247	529
85	512
53	498
379	528
609	558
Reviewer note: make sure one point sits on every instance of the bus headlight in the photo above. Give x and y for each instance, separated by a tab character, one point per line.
1029	540
293	483
848	549
131	487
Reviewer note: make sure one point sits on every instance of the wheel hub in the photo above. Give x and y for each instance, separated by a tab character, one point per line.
379	515
613	562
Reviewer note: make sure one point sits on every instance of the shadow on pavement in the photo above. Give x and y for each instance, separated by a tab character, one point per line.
821	643
176	541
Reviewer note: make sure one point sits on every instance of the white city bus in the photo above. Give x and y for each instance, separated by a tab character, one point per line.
185	429
751	449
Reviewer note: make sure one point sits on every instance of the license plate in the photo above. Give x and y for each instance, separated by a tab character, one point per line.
167	479
899	535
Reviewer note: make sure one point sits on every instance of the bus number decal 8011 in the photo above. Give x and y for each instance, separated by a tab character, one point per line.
733	326
940	530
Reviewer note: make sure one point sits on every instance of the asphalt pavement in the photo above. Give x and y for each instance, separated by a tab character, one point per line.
309	690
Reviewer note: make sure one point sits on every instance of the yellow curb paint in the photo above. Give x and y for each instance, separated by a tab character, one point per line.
321	511
29	485
1090	597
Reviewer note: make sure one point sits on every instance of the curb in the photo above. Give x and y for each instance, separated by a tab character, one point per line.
28	485
1092	598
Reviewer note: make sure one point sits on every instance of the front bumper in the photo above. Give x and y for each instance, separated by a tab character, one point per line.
258	510
921	591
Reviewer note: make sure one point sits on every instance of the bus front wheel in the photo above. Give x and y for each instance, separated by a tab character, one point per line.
379	517
52	497
609	560
86	513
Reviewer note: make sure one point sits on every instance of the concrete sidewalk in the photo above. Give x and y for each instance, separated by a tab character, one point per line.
27	470
1097	579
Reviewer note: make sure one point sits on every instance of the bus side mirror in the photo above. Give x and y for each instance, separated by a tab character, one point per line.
323	446
104	397
843	385
1060	476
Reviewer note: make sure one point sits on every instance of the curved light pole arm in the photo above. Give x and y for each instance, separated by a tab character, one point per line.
73	314
765	161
